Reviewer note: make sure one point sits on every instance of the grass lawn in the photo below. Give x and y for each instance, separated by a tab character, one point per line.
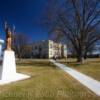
91	67
47	83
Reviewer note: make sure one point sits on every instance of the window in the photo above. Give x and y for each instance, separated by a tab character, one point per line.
50	45
35	47
51	53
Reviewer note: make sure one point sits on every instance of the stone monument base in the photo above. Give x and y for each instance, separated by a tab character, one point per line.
8	72
16	77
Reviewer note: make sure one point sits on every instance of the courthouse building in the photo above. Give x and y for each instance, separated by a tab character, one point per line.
1	42
48	49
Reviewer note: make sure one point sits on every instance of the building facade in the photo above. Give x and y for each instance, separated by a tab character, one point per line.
96	50
48	49
1	42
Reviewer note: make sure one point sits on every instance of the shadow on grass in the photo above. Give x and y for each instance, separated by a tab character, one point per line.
74	63
37	64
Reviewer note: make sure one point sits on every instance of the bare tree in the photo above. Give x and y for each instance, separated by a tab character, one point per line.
20	45
77	20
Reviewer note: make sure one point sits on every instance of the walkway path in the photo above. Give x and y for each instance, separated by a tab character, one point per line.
90	83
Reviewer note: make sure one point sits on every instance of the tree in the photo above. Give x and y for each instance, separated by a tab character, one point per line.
20	45
77	20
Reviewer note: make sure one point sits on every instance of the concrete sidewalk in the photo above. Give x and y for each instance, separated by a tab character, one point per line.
87	81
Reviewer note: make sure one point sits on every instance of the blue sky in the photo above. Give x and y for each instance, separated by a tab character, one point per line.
26	15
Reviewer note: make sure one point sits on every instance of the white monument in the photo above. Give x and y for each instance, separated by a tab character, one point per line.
8	72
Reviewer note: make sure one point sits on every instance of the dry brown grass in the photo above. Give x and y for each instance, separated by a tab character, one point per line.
47	83
91	67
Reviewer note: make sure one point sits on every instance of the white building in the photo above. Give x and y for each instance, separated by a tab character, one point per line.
96	51
1	42
48	49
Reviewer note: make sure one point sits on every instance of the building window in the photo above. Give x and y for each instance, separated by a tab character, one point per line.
51	53
50	45
35	47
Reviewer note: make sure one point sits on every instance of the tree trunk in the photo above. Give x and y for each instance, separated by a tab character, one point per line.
85	56
80	57
80	60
